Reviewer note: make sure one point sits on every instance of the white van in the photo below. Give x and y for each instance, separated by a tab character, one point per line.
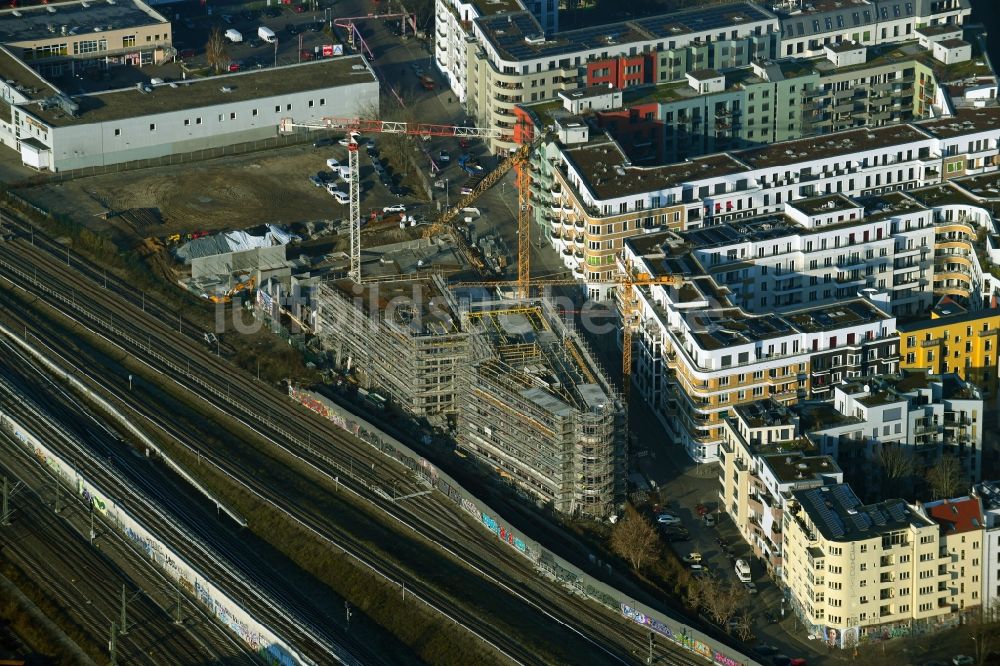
234	35
344	171
266	34
743	571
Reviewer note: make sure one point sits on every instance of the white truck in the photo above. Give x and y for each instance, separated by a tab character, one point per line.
234	35
266	34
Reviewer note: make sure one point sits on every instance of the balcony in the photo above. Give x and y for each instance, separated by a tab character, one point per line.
885	594
887	577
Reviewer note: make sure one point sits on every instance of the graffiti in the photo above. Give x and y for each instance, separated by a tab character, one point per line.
724	660
682	638
470	507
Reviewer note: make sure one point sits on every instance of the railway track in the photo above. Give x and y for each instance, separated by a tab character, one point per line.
238	585
54	551
327	449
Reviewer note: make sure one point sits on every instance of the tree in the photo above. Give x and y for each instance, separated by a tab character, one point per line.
984	630
216	52
896	463
744	625
634	538
945	477
720	601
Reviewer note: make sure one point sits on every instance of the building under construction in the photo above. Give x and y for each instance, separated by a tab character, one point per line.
539	411
402	339
526	396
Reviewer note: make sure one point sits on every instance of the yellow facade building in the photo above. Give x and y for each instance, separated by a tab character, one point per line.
966	344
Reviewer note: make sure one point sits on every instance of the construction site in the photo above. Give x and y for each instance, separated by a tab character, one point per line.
514	384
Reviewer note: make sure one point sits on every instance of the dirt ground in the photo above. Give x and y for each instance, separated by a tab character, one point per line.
226	193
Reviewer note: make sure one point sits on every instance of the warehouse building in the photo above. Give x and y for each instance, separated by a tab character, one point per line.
72	94
56	132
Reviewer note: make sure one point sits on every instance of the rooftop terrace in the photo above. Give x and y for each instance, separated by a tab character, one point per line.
792	468
604	168
965	121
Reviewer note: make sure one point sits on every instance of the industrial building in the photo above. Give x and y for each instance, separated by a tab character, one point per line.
64	105
539	410
517	386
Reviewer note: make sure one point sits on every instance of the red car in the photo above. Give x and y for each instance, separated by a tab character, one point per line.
299	9
234	67
305	55
702	510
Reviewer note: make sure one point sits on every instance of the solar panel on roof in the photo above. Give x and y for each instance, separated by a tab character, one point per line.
861	522
878	517
897	512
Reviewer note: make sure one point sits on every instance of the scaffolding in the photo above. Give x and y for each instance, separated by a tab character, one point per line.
402	339
539	410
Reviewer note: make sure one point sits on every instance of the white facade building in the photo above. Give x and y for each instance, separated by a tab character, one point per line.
988	493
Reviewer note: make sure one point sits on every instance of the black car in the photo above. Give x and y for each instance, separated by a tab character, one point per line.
293	29
326	176
765	649
397	190
273	11
248	14
372	150
316	27
325	141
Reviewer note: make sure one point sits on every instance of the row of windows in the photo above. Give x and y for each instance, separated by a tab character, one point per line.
232	116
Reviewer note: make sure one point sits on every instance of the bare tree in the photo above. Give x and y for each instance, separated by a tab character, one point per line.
634	538
216	52
945	477
721	601
744	625
896	462
984	630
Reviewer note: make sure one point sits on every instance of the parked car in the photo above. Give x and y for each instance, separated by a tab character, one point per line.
765	649
444	157
397	190
751	588
298	9
702	510
273	12
235	66
696	567
333	162
668	519
292	29
709	520
316	180
693	558
325	141
305	55
395	208
341	196
326	176
371	149
963	660
316	26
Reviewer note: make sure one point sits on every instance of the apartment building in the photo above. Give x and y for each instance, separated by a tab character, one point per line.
777	100
965	344
589	197
699	355
926	415
961	556
988	493
857	572
496	56
807	28
764	457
